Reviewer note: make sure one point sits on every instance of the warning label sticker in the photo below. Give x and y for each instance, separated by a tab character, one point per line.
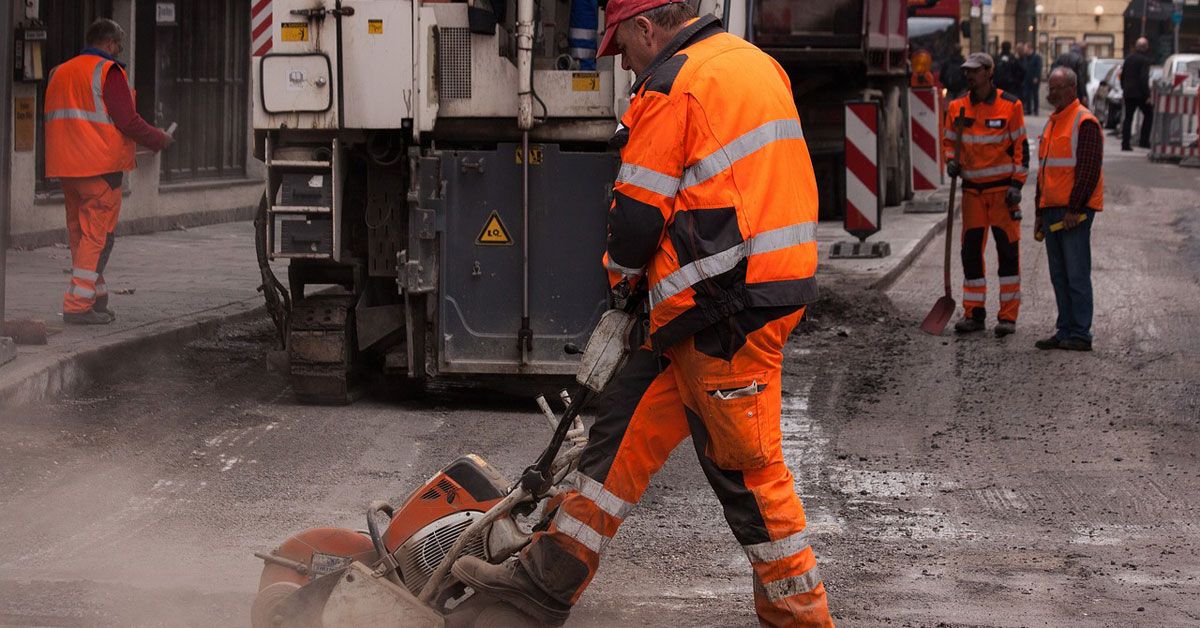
374	27
294	31
494	232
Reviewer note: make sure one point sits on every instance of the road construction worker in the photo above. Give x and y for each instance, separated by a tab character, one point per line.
91	129
1070	190
993	164
715	211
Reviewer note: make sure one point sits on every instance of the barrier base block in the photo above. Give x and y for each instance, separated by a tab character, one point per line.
860	250
926	203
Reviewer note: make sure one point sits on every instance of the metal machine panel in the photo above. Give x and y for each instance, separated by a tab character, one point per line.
296	83
377	58
488	91
481	265
293	35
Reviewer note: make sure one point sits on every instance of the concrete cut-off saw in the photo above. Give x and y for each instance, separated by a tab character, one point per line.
397	571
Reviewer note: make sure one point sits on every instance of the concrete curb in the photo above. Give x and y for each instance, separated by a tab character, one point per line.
889	278
55	373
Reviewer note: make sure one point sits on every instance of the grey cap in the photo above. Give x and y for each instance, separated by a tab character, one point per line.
979	60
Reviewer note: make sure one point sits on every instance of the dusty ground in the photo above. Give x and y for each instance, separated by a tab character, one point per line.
948	481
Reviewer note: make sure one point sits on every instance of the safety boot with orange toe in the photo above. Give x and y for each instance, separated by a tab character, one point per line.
509	582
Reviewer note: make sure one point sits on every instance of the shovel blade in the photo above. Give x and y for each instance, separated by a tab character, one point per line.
935	322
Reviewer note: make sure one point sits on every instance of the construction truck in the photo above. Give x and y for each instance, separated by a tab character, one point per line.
439	173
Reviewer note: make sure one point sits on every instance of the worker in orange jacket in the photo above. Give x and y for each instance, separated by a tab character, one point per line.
91	129
715	213
989	126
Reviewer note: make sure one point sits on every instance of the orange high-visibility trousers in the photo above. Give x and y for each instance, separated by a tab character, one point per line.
722	388
93	207
982	210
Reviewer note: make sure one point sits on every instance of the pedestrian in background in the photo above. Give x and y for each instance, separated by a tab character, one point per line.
1076	61
1135	85
1010	75
91	128
951	74
1031	88
994	164
1070	190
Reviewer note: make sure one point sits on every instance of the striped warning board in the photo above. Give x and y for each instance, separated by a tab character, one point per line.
864	205
923	149
260	27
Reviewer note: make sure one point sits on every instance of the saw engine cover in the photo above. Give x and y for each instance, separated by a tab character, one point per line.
425	528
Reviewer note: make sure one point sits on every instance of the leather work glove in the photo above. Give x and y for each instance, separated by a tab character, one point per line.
1013	196
953	168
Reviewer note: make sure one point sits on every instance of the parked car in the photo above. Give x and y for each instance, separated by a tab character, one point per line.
1181	65
1111	106
1097	70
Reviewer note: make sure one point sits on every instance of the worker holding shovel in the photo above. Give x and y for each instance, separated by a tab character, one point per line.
988	148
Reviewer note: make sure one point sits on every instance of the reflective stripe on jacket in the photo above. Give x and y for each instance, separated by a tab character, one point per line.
1057	158
81	138
716	201
994	142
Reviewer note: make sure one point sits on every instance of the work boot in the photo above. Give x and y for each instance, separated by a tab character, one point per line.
509	582
1047	344
968	325
1075	344
90	317
1126	148
101	305
1004	328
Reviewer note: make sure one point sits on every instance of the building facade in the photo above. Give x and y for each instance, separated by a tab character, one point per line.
189	64
1053	25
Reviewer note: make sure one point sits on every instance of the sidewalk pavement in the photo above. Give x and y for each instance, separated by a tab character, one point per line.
171	287
167	289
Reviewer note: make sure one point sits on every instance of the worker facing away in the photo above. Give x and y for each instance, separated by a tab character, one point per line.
991	153
714	212
91	129
1070	190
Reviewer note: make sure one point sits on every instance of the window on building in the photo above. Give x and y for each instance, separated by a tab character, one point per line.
196	75
66	22
1100	45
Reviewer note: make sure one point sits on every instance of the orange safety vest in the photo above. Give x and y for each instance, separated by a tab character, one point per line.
81	139
1056	158
716	201
994	143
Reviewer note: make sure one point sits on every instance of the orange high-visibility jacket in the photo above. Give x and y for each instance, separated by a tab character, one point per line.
994	143
1056	158
716	202
81	139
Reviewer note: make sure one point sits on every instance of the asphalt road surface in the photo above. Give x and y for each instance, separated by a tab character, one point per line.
948	481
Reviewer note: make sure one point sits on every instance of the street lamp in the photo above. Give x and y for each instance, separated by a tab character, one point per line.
1098	11
1037	22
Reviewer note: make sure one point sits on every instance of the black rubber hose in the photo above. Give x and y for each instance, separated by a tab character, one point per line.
278	302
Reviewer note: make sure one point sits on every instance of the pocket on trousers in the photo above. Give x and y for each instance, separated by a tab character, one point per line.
733	415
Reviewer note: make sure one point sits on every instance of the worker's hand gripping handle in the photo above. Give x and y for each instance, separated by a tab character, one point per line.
605	353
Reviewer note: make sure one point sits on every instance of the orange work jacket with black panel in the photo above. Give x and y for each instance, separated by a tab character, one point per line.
1058	157
81	138
995	146
715	204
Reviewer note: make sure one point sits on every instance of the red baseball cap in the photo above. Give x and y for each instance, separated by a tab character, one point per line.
617	11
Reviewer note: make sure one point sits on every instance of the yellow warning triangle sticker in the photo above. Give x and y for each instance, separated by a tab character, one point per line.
494	231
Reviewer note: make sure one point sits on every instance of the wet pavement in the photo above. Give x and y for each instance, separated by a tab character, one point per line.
947	481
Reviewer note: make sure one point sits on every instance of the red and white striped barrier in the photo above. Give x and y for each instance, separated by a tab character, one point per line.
1174	135
923	115
261	31
864	204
